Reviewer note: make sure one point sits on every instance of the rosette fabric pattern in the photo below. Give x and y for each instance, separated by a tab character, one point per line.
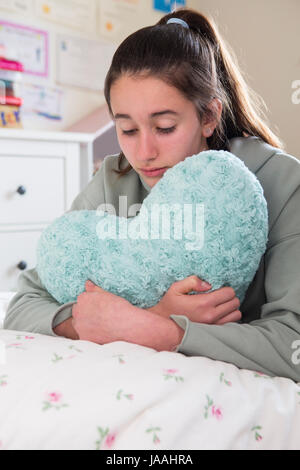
207	216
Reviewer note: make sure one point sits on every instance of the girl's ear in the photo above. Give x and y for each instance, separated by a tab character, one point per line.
211	120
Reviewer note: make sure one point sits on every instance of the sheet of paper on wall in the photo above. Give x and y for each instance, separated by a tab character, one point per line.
77	14
26	45
167	6
45	102
119	18
17	6
83	63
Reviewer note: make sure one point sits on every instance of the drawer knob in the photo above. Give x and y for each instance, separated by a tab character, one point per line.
22	265
21	190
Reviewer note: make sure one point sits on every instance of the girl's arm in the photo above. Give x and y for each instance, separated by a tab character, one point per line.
102	317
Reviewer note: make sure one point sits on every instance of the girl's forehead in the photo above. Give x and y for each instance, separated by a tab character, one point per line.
145	91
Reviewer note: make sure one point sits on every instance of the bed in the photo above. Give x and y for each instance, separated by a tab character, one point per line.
59	394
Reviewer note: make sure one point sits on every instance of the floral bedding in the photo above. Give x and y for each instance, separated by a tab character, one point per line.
57	393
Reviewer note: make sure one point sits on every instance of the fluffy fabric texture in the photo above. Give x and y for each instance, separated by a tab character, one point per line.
213	224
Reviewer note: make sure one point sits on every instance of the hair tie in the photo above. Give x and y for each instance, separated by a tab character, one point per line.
178	21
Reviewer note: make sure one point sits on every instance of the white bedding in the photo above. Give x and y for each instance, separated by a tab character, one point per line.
4	301
57	393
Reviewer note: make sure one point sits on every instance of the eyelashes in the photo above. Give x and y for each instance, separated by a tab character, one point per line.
168	130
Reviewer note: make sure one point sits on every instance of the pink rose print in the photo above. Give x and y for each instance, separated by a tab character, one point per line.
226	382
25	337
15	345
54	400
257	436
216	412
109	441
109	437
56	357
54	397
262	375
156	439
170	374
171	371
3	382
129	396
121	360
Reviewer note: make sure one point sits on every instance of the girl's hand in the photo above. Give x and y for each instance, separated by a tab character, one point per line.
217	307
102	317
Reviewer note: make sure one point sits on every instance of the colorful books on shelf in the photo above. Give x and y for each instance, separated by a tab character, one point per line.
12	65
10	117
10	100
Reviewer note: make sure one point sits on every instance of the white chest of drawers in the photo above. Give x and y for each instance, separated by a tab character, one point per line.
40	176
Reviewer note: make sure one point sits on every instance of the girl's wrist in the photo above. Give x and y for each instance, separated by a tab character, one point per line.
160	333
66	330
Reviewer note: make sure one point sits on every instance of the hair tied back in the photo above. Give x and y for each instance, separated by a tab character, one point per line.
178	21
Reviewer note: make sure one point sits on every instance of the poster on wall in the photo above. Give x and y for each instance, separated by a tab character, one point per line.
17	6
117	18
26	45
77	14
83	63
167	6
42	101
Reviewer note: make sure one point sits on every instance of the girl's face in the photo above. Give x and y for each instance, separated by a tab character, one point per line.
157	127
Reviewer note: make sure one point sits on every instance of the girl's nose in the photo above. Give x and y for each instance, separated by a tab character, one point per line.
147	148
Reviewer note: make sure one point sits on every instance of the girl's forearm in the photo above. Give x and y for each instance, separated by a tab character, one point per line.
154	331
66	329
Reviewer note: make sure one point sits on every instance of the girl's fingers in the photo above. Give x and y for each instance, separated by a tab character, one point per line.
222	295
231	317
226	308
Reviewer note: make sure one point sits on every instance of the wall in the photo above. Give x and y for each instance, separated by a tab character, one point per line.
265	36
78	102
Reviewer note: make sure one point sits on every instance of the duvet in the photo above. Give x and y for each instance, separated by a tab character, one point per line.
57	393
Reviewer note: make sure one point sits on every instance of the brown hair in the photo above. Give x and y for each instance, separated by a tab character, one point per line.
198	63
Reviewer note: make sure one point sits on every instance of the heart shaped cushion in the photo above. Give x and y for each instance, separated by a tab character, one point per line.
207	216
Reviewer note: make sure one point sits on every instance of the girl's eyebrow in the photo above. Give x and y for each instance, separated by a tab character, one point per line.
158	113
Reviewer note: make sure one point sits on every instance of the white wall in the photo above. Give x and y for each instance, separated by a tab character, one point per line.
263	33
265	36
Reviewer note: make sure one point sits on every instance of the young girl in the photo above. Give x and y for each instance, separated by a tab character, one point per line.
173	90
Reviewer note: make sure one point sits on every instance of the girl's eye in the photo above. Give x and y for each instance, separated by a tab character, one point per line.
160	130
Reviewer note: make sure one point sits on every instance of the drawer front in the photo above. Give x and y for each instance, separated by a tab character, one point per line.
15	248
31	189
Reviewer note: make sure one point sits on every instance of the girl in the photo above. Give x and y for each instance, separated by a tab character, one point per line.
173	90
